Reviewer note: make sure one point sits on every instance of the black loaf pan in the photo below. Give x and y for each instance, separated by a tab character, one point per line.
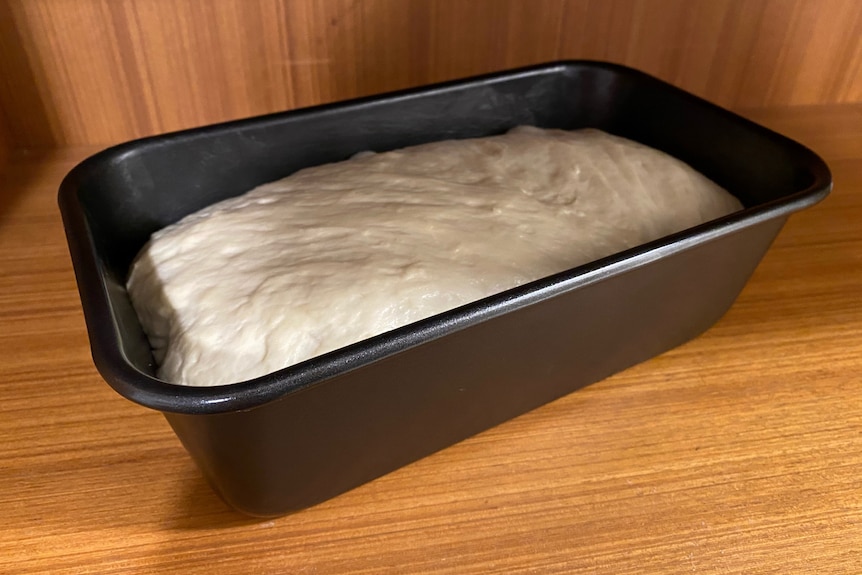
306	433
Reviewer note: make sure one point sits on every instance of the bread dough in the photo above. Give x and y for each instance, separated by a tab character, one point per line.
335	254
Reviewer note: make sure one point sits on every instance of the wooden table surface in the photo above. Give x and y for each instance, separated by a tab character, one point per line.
739	452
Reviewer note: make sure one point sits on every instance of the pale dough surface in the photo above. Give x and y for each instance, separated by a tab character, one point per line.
338	253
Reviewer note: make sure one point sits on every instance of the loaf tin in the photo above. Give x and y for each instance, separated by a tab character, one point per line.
299	436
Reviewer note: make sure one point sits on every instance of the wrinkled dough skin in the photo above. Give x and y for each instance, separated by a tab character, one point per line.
337	253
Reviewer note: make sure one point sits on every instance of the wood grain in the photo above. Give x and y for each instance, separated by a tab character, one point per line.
102	71
740	452
5	142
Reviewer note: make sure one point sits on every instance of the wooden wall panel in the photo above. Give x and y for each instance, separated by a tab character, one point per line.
101	71
5	40
5	142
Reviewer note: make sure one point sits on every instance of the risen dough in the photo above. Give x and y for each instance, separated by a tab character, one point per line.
338	253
